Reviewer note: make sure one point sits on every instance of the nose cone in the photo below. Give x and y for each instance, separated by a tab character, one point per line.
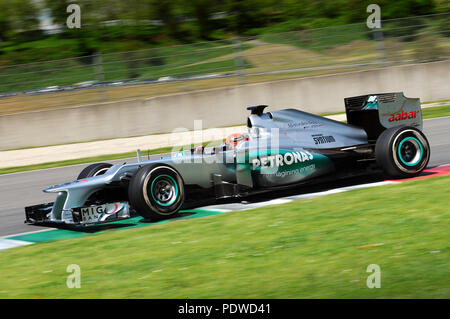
53	189
61	187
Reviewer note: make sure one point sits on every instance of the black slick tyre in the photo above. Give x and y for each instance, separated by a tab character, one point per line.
402	152
156	191
94	170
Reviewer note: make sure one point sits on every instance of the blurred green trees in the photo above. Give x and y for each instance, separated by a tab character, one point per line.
117	25
17	16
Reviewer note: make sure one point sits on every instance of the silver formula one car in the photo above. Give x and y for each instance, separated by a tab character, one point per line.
285	148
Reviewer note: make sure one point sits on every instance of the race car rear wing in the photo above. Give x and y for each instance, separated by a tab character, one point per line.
377	112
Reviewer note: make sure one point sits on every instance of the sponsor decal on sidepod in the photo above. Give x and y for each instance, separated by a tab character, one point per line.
279	160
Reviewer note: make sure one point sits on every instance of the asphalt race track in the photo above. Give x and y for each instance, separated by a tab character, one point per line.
24	189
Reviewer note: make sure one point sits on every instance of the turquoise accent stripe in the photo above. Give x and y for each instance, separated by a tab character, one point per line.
176	190
400	147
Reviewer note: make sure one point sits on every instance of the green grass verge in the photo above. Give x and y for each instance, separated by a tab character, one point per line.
304	249
436	111
96	159
320	39
428	113
93	159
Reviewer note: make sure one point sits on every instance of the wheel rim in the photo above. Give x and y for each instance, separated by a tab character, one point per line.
410	151
164	190
101	171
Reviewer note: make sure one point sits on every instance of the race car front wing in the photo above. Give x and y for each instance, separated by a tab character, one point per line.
88	215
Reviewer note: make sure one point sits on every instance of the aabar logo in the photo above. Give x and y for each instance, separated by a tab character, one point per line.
280	160
400	116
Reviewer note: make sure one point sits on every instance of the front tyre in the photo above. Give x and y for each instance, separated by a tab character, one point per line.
156	191
94	170
402	152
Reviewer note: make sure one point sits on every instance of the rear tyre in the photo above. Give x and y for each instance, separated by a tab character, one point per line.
156	192
94	170
402	152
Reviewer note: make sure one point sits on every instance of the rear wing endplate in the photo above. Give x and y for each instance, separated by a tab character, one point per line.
377	112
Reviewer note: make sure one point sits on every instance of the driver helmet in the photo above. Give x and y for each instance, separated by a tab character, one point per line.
235	139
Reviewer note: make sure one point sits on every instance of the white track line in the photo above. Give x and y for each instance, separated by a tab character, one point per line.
11	243
50	168
27	233
6	243
283	200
